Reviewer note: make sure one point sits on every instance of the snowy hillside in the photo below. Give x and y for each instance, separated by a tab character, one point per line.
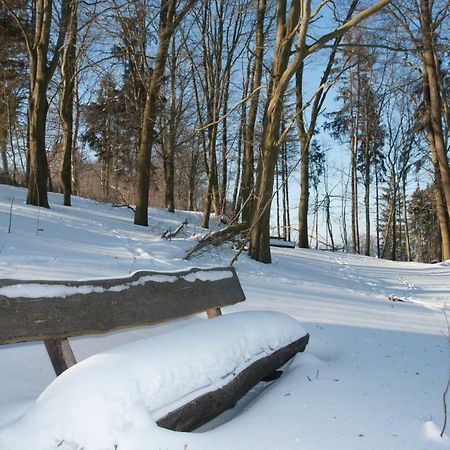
372	376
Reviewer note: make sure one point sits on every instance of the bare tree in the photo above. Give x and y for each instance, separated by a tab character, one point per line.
68	73
168	21
291	22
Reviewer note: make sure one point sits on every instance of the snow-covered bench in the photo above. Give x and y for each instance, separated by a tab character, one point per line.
257	345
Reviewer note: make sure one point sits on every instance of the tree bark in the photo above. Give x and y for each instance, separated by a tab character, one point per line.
247	185
282	71
355	220
3	144
307	134
170	155
167	25
441	204
41	72
367	188
68	68
435	106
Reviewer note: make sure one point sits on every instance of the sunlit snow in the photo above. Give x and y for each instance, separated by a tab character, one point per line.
372	376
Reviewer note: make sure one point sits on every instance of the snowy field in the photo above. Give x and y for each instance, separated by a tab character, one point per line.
372	376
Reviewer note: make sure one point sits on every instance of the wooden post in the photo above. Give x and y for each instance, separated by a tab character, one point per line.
60	353
213	312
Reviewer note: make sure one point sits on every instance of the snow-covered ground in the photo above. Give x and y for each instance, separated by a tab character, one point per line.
372	376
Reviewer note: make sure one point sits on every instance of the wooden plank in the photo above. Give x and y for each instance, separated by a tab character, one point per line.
61	354
109	304
208	406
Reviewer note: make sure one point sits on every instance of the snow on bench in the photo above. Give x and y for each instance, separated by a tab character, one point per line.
103	400
181	380
281	242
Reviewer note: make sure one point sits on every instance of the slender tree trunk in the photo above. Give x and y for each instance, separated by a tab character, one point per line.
406	220
304	192
307	134
377	205
259	235
355	220
367	182
237	179
192	177
172	138
3	145
441	211
148	122
68	68
285	180
224	149
76	157
168	22
282	71
394	223
41	72
38	166
249	141
441	205
277	198
435	107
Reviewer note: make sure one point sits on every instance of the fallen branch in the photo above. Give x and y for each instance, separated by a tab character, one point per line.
217	238
125	204
393	298
116	205
171	234
10	215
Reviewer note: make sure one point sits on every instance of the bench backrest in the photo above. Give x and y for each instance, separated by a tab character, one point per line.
54	310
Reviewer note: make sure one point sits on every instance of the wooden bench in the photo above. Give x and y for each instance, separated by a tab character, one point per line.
52	311
276	241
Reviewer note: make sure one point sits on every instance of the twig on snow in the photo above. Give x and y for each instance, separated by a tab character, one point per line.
171	234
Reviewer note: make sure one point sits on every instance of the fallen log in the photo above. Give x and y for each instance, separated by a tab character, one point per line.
216	238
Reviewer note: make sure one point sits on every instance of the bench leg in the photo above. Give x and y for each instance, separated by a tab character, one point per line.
60	353
213	312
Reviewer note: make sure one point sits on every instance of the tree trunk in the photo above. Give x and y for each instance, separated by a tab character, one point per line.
260	230
435	107
259	235
168	22
247	185
41	72
38	166
282	71
377	202
406	220
193	177
367	180
441	204
3	145
304	192
170	156
68	68
394	223
441	210
355	220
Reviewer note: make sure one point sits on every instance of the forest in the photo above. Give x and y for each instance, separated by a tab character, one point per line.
320	122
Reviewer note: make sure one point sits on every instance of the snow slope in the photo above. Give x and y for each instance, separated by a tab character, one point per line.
372	376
